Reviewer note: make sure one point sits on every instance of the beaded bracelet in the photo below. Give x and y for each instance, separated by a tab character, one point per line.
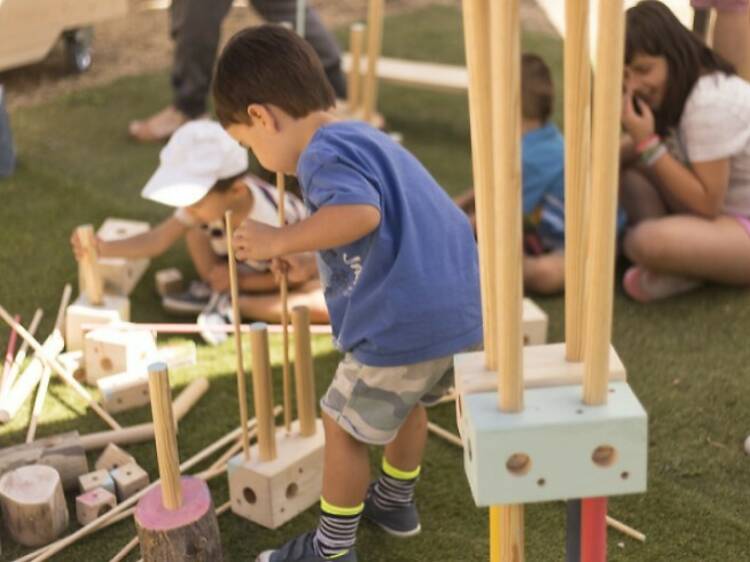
651	155
648	143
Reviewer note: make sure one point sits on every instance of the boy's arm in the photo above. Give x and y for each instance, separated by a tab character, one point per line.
329	227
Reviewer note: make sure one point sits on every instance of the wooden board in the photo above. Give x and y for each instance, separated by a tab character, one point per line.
430	75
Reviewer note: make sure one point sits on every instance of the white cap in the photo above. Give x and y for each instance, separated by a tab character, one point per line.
198	155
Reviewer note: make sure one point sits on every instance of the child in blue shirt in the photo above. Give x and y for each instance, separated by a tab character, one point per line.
398	263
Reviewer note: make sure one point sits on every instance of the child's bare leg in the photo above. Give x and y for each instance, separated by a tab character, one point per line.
714	250
639	197
267	307
544	274
346	469
406	450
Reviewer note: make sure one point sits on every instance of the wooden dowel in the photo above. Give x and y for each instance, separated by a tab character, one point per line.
93	286
374	41
356	38
165	435
304	371
445	434
577	110
36	412
10	352
625	529
284	287
61	370
477	46
505	47
167	328
236	321
301	13
64	301
123	553
18	360
232	451
263	392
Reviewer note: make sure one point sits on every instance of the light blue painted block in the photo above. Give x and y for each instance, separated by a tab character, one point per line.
559	434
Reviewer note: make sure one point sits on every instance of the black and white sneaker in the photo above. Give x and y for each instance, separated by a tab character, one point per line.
215	318
190	302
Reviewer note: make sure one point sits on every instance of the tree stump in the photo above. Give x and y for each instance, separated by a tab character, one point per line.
189	533
33	505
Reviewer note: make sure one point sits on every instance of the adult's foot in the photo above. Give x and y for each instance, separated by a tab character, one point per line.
159	127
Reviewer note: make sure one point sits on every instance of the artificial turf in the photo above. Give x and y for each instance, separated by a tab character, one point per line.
687	358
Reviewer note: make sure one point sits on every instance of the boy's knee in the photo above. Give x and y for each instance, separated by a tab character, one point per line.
546	276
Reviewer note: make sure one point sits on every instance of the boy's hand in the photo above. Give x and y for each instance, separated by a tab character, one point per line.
218	278
637	117
77	247
256	241
298	268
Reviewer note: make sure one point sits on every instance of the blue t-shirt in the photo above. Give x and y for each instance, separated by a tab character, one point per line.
543	176
408	291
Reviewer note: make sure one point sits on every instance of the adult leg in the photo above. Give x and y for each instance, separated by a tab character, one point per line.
715	250
317	35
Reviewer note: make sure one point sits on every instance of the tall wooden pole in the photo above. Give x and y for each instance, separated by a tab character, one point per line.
263	392
354	87
374	42
304	371
600	267
165	435
284	285
236	320
93	285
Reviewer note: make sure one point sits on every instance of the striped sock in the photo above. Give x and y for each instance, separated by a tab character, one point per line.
395	488
337	529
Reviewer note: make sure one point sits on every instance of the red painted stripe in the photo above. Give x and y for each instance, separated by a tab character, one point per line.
594	530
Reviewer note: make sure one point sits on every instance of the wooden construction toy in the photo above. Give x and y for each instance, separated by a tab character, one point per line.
561	421
93	504
534	323
9	377
175	519
354	85
113	457
124	391
283	475
177	355
96	479
374	44
129	480
111	351
74	362
33	505
63	452
168	281
121	275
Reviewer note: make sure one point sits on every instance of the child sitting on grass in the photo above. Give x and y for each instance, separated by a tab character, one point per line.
543	177
399	265
203	173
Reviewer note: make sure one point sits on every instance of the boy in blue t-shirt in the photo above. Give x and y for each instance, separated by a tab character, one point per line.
398	263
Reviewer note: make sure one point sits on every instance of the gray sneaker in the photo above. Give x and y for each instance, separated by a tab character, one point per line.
301	549
402	522
190	302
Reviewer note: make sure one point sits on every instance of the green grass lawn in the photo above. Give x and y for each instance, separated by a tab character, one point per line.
687	358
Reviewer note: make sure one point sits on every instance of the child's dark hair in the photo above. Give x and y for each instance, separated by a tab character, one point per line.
537	88
269	64
652	29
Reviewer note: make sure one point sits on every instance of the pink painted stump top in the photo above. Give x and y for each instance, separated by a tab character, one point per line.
196	501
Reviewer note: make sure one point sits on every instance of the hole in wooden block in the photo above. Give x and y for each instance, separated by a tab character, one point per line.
249	495
119	400
604	456
541	482
625	475
525	340
579	411
103	509
145	392
611	390
301	470
518	464
105	363
291	490
128	473
121	232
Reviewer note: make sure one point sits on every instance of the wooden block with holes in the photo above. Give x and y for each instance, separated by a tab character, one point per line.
74	362
271	493
108	352
112	309
121	275
123	391
168	281
535	324
94	503
129	479
96	479
113	457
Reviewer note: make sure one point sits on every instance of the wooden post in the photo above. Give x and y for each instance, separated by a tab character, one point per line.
354	87
304	371
33	505
577	158
284	286
236	320
262	392
476	34
93	286
601	263
56	366
18	360
165	435
505	47
374	41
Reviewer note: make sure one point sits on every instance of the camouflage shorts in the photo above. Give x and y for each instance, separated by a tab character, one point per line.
371	403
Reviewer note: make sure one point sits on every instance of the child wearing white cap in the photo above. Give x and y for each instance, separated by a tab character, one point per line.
203	173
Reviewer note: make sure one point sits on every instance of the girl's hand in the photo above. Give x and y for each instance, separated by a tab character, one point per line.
255	241
637	117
